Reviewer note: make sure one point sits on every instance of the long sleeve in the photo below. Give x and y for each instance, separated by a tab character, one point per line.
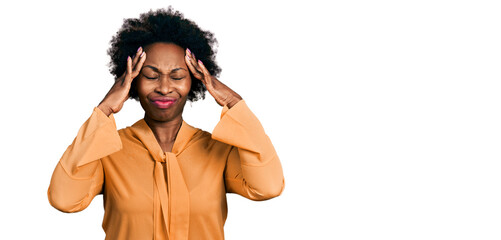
253	168
79	176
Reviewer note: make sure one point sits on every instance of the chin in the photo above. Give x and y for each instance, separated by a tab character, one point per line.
159	116
163	115
164	118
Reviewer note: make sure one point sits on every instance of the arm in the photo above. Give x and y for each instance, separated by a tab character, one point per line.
253	168
78	176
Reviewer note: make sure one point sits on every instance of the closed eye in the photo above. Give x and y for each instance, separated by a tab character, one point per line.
151	77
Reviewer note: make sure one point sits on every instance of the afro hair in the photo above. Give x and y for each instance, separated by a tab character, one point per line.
169	26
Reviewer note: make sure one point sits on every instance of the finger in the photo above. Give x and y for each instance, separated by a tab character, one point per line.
128	70
193	60
206	73
196	73
190	53
139	65
129	66
137	56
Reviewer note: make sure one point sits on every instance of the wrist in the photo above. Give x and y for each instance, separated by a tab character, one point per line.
233	101
106	110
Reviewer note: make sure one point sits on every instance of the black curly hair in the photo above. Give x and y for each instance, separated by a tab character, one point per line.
169	26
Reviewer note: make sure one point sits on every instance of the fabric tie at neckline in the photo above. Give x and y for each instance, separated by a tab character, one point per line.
174	197
172	190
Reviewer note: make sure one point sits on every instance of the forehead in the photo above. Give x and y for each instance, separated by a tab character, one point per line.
165	56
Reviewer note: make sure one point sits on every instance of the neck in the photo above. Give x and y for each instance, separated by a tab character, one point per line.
165	132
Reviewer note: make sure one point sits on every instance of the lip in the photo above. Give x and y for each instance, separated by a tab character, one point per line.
163	102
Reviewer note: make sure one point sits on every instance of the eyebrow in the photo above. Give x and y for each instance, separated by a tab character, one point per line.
157	70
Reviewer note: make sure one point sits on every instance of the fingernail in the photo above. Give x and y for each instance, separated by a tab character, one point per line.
200	62
139	49
128	58
187	49
142	54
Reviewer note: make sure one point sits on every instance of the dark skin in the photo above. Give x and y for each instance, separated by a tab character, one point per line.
163	86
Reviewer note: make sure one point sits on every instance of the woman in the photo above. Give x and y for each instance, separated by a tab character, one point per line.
162	178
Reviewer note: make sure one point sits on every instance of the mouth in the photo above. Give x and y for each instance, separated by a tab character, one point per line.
163	103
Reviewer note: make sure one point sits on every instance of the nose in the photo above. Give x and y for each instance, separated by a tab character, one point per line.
164	85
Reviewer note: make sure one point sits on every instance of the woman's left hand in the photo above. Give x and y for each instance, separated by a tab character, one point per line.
221	93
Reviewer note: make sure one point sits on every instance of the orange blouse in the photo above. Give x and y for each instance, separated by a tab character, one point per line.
151	194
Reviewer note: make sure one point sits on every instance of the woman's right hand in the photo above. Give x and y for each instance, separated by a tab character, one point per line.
119	92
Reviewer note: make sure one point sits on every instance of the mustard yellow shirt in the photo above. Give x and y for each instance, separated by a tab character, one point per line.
151	194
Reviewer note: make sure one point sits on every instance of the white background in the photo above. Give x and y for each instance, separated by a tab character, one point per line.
385	114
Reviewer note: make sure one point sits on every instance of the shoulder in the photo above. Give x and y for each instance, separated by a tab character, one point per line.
200	137
130	137
203	140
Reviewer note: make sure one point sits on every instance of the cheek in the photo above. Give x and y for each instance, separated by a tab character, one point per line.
143	88
185	87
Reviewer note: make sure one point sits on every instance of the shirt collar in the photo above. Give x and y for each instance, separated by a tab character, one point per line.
144	133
